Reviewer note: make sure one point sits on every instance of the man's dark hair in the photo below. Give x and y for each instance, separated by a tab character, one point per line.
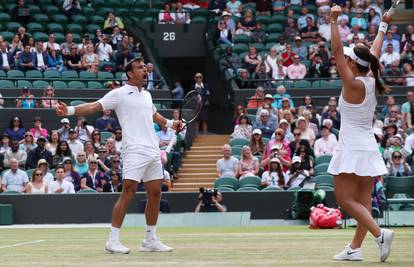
128	66
59	167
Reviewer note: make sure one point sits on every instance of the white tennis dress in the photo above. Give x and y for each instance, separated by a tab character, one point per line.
357	150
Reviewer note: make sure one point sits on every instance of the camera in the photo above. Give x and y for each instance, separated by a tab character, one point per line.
84	123
207	199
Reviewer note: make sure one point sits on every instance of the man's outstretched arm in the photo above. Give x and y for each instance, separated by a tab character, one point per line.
80	110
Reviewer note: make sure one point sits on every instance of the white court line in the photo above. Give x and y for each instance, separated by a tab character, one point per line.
22	244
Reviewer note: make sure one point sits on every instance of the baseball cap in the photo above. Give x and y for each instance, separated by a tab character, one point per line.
41	138
298	38
66	159
64	120
225	13
283	121
72	131
269	96
42	161
257	131
296	159
275	160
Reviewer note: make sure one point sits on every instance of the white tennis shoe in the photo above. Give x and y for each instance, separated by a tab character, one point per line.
384	243
154	245
115	247
349	254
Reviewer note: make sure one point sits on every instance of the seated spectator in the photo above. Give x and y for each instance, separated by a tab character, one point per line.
43	166
60	186
263	76
153	78
298	141
62	151
96	139
295	176
239	111
333	114
278	139
69	174
389	103
394	117
26	59
103	160
395	73
14	179
84	45
281	94
104	50
36	186
306	132
67	45
37	129
397	166
165	136
259	35
165	16
40	57
318	68
264	7
50	44
324	29
15	130
243	81
231	61
264	124
71	7
248	164
116	164
234	7
277	149
408	74
302	20
90	149
64	129
373	18
299	49
247	24
297	70
217	5
285	106
257	145
307	161
307	114
278	6
227	166
54	60
252	59
288	56
358	20
307	102
111	22
74	144
15	46
1	101
21	12
310	32
90	60
180	15
73	59
273	116
48	99
390	57
106	122
231	25
274	177
5	144
257	99
115	182
243	130
325	145
14	153
81	163
389	40
344	30
122	58
28	143
26	100
6	59
371	34
83	129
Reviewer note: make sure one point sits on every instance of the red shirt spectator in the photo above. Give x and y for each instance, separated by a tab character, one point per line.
287	56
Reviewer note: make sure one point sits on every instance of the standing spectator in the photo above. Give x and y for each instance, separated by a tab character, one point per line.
71	7
180	15
288	56
257	145
26	59
43	166
274	177
62	151
104	50
83	129
74	144
14	179
325	145
36	186
38	130
26	100
253	60
38	153
299	49
6	59
54	60
297	70
302	20
90	60
40	57
165	16
48	99
106	122
27	143
111	21
153	78
15	130
203	90
60	186
397	165
227	166
21	12
15	153
248	164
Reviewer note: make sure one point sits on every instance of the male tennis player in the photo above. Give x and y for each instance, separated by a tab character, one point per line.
140	151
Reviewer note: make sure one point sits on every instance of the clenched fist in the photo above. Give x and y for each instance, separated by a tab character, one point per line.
335	12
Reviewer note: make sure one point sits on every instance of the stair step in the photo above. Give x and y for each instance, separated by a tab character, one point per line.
209	144
204	156
200	160
194	185
204	152
195	180
209	175
205	147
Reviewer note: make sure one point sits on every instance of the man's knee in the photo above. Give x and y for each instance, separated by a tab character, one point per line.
129	188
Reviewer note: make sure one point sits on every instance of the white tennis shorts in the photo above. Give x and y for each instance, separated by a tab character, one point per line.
141	168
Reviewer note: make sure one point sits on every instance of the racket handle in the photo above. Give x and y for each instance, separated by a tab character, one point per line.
171	144
391	11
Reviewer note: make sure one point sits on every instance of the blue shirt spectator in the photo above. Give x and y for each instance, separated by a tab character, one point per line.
389	40
106	122
281	93
264	124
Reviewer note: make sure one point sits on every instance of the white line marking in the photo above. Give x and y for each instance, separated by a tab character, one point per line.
22	244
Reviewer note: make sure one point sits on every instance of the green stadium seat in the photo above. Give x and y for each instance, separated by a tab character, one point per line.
230	182
247	189
238	142
13	26
295	8
7	36
259	46
278	18
70	74
306	63
321	168
59	85
15	74
270	188
49	74
199	19
106	135
40	36
60	18
118	75
77	102
34	27
241	38
4	17
302	84
105	75
88	11
41	18
323	159
98	20
263	19
91	28
399	185
273	37
2	74
275	27
99	3
225	189
50	9
250	181
76	37
268	46
87	191
6	84
312	9
236	150
95	85
240	48
87	75
76	84
24	83
29	173
55	27
59	37
324	179
103	11
336	83
74	27
11	192
40	84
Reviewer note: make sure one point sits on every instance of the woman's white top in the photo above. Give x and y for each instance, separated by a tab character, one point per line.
41	190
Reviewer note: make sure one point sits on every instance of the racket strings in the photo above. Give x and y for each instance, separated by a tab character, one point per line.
191	107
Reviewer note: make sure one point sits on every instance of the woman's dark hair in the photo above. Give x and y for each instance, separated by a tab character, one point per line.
363	52
279	171
11	122
260	143
67	153
98	133
304	103
369	15
244	117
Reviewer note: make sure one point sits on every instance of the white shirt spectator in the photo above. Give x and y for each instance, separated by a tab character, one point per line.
271	178
360	35
409	143
47	44
118	145
104	51
82	134
40	62
388	59
296	181
5	60
227	167
20	155
325	31
76	146
325	146
67	187
15	181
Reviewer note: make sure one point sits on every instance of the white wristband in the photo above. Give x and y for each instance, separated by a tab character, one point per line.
169	123
71	111
383	27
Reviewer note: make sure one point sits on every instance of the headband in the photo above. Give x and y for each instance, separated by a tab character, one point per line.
350	53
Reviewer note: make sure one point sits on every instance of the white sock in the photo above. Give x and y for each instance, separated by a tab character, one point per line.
151	232
378	239
114	234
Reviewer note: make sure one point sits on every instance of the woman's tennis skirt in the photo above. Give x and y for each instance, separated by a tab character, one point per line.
361	163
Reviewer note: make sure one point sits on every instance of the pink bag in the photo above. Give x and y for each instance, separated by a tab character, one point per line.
324	217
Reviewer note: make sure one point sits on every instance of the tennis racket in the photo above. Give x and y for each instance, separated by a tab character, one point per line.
190	108
394	5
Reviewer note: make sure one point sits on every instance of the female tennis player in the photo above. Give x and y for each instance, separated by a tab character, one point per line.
357	158
140	151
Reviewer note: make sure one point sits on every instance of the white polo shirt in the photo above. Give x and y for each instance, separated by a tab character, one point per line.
104	52
134	109
68	187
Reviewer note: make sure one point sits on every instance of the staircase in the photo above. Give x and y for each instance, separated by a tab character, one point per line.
199	164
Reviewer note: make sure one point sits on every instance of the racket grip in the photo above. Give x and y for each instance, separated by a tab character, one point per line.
391	11
171	144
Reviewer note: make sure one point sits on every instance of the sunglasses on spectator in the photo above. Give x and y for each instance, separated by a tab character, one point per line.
102	151
118	133
296	134
96	134
38	174
278	134
198	77
116	161
93	162
397	157
28	135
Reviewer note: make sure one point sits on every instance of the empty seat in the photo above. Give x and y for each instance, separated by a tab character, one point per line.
87	75
7	36
77	102
41	18
54	27
95	85
40	36
250	181
24	83
241	38
230	182
60	18
59	85
40	84
15	74
79	19
6	84
76	84
51	74
74	27
13	26
34	27
70	74
105	75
